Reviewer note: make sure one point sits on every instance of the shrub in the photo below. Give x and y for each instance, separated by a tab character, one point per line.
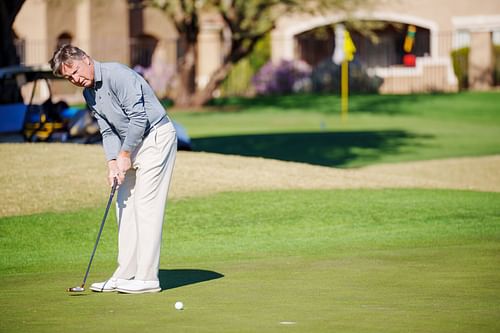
286	77
239	80
327	75
460	59
496	50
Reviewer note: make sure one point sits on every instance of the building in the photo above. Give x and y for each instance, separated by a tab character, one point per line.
123	30
442	26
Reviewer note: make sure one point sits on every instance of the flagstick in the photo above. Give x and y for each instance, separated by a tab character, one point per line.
344	96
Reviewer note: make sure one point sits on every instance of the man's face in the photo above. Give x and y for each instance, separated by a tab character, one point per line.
79	72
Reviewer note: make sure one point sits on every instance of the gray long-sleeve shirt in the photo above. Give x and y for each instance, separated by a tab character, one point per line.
124	105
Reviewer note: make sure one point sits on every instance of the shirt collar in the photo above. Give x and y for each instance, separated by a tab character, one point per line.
97	73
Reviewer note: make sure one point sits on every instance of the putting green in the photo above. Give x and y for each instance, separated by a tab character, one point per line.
305	261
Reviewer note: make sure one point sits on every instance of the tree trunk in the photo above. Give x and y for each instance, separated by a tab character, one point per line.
8	12
186	85
203	96
8	54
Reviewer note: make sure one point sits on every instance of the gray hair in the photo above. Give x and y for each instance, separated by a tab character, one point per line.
65	55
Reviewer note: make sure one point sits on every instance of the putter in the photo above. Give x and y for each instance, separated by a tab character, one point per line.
82	287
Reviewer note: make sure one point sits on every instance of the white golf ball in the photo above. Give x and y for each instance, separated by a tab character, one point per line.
178	305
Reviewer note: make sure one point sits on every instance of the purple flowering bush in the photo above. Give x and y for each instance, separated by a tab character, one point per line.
283	78
159	75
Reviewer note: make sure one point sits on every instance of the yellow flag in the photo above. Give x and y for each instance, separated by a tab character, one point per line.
349	47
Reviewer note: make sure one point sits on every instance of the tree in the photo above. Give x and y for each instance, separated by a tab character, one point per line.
8	55
245	23
8	12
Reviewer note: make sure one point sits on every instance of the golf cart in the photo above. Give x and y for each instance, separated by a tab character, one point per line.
29	114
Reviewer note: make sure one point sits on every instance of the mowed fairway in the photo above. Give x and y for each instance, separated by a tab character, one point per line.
302	261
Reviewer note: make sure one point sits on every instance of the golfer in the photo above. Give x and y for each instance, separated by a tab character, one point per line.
140	145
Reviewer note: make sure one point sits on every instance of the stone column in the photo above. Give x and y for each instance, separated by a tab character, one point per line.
481	64
209	53
282	46
83	19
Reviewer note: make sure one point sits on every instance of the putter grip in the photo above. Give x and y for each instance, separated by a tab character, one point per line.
115	185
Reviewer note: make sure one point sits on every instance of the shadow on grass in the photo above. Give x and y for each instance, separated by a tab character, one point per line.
321	148
174	278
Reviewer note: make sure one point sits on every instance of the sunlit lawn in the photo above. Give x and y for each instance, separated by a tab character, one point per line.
303	261
378	129
307	261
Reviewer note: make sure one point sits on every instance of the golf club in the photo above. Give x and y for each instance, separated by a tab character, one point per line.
82	287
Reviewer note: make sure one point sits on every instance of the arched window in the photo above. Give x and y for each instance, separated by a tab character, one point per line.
386	50
142	49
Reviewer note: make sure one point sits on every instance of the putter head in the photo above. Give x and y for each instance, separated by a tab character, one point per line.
75	290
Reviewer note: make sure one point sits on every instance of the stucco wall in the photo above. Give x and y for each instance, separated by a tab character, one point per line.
109	30
61	18
102	28
443	18
440	11
157	24
436	15
31	25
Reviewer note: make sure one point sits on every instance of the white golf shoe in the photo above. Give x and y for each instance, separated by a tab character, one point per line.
108	285
139	287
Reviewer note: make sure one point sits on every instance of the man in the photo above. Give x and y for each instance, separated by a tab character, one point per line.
140	145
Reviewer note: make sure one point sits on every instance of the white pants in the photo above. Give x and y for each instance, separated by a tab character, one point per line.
140	204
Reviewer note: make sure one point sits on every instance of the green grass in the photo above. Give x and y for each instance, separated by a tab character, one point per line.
330	261
379	129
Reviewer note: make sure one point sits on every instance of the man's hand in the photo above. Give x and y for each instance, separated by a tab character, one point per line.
123	163
113	172
117	168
